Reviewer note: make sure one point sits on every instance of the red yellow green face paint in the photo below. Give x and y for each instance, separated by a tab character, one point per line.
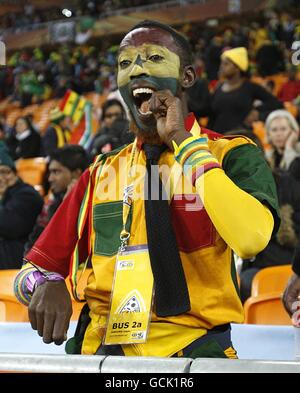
148	61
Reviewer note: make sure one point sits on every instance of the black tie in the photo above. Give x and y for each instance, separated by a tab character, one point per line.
171	292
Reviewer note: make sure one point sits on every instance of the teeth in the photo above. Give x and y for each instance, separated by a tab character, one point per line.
142	90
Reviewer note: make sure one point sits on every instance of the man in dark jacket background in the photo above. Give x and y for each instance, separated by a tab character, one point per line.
20	204
66	165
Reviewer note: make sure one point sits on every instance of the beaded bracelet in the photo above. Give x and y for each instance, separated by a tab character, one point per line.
195	157
27	280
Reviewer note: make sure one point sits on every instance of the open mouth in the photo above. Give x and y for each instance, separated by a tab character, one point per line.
141	98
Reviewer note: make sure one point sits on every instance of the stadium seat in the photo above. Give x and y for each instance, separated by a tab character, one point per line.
266	309
12	116
2	312
292	108
260	132
271	279
32	171
10	309
279	80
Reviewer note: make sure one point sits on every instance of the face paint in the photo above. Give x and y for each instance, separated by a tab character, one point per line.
142	70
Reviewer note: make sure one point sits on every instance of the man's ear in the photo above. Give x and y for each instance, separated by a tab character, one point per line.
188	77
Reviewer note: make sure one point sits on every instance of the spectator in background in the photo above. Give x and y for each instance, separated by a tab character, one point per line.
269	59
198	96
25	141
291	89
57	134
29	86
114	131
283	135
20	205
281	247
65	167
212	57
234	103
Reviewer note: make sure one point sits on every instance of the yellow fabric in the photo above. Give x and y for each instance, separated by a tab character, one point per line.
221	303
69	106
177	148
55	114
63	137
239	56
224	202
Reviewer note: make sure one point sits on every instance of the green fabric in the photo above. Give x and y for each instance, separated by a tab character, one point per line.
30	84
234	275
5	158
248	169
108	222
74	344
210	349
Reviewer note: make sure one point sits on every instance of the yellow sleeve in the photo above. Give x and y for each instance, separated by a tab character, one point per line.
242	221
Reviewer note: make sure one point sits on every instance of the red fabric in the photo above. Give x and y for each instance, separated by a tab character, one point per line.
289	91
53	249
211	134
193	227
189	122
64	100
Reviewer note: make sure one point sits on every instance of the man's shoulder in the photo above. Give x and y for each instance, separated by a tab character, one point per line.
26	192
122	150
220	144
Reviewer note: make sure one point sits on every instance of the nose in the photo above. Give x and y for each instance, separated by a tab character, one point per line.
137	72
50	178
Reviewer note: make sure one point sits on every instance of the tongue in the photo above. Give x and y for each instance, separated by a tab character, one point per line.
144	108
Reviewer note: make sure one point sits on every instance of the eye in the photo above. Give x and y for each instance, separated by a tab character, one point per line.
156	58
124	63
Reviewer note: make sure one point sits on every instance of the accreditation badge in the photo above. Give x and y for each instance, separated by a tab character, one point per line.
131	300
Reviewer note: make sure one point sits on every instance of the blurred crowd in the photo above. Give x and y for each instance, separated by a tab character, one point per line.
32	16
38	74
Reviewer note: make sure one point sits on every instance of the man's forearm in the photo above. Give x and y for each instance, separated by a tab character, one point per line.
243	222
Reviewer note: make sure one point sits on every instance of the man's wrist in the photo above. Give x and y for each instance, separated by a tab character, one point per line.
38	278
178	137
195	157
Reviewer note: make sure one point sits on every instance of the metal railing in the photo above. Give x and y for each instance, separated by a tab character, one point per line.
115	364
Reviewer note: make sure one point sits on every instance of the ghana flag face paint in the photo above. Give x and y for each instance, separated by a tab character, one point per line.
145	66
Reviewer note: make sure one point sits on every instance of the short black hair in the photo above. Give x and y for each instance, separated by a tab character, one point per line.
71	156
108	103
181	41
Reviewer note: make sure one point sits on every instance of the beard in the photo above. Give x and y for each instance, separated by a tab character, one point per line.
150	136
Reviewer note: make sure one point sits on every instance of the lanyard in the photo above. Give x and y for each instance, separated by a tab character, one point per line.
128	199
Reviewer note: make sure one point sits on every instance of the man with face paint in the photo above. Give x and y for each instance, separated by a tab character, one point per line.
233	208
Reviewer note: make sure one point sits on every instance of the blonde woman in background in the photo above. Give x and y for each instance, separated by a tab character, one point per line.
283	135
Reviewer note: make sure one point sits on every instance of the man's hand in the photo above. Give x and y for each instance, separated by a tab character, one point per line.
167	110
291	294
50	311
